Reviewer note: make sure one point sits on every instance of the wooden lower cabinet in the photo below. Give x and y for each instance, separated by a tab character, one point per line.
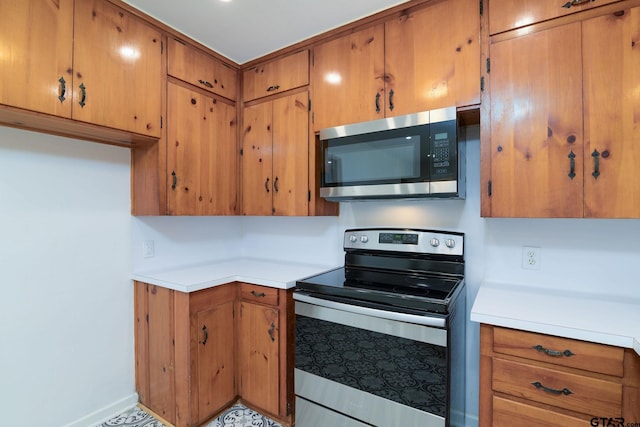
265	356
535	379
185	351
193	350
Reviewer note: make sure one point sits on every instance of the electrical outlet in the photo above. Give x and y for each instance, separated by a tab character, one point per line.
148	249
531	258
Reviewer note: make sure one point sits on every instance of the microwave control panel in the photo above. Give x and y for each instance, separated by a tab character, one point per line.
443	147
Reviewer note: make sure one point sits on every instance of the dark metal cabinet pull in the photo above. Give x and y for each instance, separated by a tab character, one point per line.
553	353
266	185
258	294
391	100
205	334
83	95
272	88
205	83
63	89
377	102
275	185
174	180
596	164
271	331
571	3
572	165
539	386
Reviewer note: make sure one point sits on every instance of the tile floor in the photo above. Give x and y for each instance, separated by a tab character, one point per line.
236	416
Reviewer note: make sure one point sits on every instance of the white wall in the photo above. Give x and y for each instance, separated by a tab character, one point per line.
66	312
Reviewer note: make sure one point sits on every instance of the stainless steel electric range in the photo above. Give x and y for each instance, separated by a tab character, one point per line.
381	341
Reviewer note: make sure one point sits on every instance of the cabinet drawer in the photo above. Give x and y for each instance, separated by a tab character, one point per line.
505	15
199	69
277	76
560	351
557	388
261	294
507	413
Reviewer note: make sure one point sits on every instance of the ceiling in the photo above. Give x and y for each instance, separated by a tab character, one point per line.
243	30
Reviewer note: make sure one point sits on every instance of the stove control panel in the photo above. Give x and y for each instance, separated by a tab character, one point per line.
405	240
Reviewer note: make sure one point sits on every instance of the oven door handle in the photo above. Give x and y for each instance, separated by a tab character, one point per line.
436	322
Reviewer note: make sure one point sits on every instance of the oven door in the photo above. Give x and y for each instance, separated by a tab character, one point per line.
355	363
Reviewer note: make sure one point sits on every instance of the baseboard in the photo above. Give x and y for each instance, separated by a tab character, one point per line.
104	414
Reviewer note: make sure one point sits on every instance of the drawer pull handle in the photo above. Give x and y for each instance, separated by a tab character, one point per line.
258	294
539	386
553	353
271	332
205	334
575	3
272	88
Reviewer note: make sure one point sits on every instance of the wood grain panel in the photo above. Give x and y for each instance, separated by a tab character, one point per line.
288	72
257	160
201	70
509	14
507	413
117	57
536	124
612	114
37	51
290	155
545	348
586	395
259	294
346	76
422	79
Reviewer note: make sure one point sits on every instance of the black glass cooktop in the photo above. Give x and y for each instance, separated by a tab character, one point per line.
416	293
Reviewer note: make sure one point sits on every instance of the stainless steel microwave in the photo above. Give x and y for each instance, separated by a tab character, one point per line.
417	155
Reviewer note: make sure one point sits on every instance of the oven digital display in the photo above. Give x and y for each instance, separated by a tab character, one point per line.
398	238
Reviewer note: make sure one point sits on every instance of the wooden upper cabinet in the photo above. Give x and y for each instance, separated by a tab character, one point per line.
117	69
536	125
611	120
286	73
37	57
275	157
564	123
432	58
427	58
201	153
201	70
347	79
506	15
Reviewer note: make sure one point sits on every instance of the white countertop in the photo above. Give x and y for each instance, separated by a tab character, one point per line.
195	277
586	317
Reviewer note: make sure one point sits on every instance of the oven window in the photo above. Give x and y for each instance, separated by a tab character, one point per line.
409	372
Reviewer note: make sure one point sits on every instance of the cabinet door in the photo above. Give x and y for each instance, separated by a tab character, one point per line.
201	135
432	58
283	74
117	71
347	78
201	70
259	356
215	358
536	125
291	155
612	115
508	14
36	60
257	183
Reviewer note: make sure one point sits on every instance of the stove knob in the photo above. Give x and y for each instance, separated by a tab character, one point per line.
353	238
450	243
434	242
364	239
